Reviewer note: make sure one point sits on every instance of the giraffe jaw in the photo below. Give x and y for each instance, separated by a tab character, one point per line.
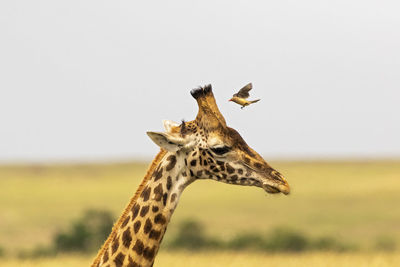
276	188
272	183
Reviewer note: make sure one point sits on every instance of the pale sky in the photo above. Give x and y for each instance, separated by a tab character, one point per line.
85	80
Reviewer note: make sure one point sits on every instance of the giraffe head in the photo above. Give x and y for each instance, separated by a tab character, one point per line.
212	150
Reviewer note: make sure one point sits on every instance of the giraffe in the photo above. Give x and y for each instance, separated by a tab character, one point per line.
205	148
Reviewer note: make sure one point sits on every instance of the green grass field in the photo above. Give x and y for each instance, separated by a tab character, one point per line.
357	202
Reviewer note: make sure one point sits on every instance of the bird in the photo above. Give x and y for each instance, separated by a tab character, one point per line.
241	96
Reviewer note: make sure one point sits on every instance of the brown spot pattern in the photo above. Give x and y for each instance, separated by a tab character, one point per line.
146	193
160	219
119	259
214	168
169	183
149	253
173	197
114	246
158	173
125	222
154	234
258	165
158	191
229	168
135	211
172	162
147	226
105	256
165	196
136	226
126	237
131	263
234	178
138	247
144	210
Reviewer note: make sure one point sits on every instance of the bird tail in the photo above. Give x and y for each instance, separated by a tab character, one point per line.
254	101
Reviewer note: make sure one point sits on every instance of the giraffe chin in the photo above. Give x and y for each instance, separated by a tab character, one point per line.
274	189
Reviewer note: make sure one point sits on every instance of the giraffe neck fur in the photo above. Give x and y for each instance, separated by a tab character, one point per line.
137	235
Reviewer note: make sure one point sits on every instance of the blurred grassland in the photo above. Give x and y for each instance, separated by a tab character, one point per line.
356	202
232	259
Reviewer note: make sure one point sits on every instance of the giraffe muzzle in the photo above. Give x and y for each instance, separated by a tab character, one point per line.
276	188
277	184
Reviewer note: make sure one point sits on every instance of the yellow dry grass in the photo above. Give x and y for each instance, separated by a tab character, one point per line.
353	201
233	259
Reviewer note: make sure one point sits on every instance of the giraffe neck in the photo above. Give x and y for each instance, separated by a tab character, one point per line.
137	235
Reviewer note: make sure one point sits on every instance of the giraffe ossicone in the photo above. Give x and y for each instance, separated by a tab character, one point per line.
205	148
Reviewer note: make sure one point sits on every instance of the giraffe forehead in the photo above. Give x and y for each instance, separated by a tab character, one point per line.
214	140
220	137
211	137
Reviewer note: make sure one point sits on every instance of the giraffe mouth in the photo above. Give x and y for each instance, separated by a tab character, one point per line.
277	188
277	184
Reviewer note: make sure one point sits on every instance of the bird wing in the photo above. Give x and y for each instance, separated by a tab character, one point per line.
244	92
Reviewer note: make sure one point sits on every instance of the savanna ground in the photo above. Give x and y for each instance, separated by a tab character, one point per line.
242	259
355	202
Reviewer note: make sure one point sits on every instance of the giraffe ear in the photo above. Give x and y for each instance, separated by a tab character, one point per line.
167	141
168	124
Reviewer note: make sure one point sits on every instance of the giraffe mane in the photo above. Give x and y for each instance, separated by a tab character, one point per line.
127	209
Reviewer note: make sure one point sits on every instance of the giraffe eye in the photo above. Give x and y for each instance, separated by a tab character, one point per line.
220	150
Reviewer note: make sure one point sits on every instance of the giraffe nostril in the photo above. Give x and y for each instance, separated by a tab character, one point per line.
276	175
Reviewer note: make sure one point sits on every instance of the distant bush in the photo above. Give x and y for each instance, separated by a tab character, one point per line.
247	241
325	243
89	232
2	252
329	243
283	239
191	235
86	234
385	243
38	252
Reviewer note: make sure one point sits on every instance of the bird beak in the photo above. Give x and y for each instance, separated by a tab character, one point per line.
230	99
